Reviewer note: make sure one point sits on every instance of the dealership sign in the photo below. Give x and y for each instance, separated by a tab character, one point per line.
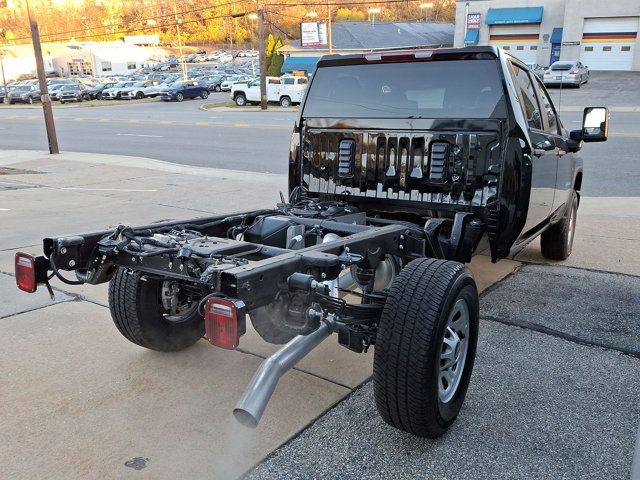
313	34
473	21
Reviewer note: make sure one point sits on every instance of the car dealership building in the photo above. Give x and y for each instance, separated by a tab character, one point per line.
602	35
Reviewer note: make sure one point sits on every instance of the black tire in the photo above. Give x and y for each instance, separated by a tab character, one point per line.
30	100
179	97
240	100
61	102
139	95
136	310
556	242
410	342
218	88
285	102
205	95
99	96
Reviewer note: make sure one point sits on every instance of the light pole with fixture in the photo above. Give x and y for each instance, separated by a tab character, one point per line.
372	14
426	7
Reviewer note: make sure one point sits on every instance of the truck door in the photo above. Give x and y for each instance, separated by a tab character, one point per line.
544	151
564	177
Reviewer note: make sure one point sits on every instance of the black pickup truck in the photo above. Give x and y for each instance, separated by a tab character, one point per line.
403	165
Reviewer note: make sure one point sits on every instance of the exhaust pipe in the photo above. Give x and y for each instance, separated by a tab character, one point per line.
250	408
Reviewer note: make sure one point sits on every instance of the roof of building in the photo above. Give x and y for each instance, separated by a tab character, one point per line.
364	35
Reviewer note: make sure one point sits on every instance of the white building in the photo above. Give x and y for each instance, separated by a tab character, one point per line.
74	58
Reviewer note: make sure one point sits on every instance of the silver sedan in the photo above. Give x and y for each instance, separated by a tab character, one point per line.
566	73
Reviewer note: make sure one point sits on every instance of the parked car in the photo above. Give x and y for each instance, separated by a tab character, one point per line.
180	90
226	85
213	83
24	94
54	90
147	88
73	93
537	69
96	92
566	73
285	90
115	92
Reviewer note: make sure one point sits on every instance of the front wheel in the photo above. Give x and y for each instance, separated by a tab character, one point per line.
285	102
556	242
241	100
30	100
179	97
156	314
139	95
426	346
218	88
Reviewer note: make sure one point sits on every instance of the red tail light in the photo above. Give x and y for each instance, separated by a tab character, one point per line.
573	72
26	277
547	73
224	322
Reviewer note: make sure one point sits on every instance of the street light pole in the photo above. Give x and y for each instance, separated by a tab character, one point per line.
44	92
263	61
182	64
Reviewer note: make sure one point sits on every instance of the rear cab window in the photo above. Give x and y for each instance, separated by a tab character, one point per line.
428	89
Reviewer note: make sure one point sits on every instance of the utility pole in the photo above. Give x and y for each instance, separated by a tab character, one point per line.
4	80
329	27
44	92
263	61
182	64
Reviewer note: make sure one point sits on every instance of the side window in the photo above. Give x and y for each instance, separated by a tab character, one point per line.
552	119
528	98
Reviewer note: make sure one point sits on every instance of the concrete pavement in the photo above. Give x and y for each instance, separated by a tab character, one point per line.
95	405
84	401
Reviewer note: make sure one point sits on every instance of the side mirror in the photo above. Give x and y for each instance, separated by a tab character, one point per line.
595	124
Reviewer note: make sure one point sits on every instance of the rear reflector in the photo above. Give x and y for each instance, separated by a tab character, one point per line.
25	268
224	322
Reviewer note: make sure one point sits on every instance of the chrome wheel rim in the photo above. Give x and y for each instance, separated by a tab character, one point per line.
453	354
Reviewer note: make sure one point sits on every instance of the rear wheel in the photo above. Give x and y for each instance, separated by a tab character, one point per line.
241	100
155	314
425	346
205	95
556	242
285	102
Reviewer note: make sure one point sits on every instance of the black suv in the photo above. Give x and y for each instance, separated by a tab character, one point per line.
403	166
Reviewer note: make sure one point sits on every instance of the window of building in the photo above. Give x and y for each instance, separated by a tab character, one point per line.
131	65
506	47
588	49
626	48
106	66
520	47
533	47
606	49
527	95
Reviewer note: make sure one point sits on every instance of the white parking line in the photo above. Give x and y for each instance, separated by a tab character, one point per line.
4	209
108	189
138	135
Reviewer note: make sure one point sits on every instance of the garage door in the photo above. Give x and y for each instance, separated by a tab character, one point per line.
519	40
608	43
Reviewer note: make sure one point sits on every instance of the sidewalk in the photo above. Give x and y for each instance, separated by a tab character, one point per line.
80	401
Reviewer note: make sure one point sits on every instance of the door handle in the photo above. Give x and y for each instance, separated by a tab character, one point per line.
538	152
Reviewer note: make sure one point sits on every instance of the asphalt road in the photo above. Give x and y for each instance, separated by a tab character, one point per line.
545	400
259	141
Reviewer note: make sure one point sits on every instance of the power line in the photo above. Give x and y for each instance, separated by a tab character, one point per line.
129	22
